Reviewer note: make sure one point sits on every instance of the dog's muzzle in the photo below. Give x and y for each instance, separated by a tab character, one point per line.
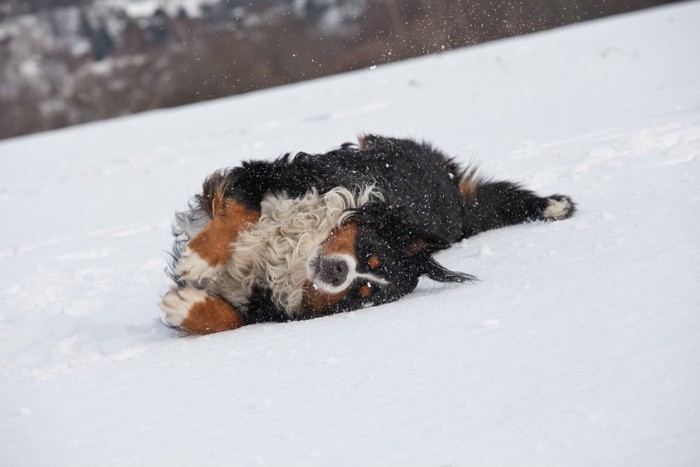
330	273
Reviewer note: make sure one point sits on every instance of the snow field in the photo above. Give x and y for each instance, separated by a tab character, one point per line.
578	346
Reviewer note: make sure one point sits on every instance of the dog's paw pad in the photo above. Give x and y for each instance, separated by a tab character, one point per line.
559	207
177	303
192	267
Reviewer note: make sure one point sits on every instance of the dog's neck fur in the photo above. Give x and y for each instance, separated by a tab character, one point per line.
273	252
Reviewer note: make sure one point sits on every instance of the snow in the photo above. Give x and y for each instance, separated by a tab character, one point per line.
577	346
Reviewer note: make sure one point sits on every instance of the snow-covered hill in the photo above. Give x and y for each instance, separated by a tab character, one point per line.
579	345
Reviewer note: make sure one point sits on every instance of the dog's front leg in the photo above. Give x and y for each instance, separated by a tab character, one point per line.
197	312
207	253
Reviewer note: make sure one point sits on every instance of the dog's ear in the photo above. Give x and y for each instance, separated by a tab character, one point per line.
390	223
440	273
422	243
422	247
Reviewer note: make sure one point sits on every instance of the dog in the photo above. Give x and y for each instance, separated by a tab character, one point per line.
311	235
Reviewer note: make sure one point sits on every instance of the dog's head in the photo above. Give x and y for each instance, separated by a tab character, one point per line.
373	257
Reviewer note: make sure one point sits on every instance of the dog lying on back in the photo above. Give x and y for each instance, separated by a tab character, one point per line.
311	235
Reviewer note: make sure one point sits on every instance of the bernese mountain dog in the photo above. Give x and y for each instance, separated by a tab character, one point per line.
311	235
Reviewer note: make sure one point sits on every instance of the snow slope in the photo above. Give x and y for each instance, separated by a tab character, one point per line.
579	345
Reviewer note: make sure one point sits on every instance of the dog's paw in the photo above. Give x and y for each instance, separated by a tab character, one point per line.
192	267
178	303
559	207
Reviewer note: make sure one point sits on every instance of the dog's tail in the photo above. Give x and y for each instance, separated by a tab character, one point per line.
492	204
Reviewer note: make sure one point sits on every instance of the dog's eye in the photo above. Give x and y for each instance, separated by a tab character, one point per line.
374	262
366	290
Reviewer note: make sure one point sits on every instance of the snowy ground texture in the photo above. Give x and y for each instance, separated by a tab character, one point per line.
580	345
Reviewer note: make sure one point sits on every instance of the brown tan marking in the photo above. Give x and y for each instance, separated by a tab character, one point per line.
374	262
212	315
362	142
366	291
212	244
469	185
341	241
416	246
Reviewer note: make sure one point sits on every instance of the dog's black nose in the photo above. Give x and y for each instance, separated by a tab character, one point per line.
333	270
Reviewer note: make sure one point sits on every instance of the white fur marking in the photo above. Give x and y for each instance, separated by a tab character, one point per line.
193	267
177	304
557	209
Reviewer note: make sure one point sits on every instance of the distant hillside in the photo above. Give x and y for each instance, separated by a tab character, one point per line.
72	61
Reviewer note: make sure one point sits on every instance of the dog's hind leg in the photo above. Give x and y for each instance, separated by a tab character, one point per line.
490	205
195	311
207	253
